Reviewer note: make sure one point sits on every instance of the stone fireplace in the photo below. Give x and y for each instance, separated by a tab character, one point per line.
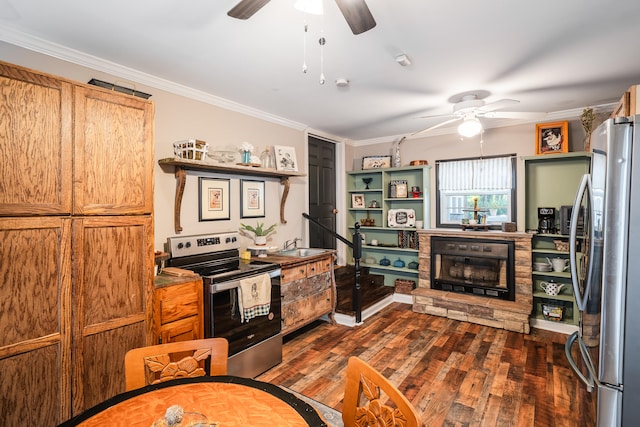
469	281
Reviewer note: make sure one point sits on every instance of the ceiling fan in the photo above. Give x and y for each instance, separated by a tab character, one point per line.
356	13
470	107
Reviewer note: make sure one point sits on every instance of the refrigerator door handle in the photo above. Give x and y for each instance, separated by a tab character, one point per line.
591	381
581	297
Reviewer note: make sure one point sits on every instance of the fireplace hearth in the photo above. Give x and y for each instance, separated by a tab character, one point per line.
476	281
475	266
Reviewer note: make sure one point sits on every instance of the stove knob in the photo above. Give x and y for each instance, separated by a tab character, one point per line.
228	240
233	239
188	244
180	245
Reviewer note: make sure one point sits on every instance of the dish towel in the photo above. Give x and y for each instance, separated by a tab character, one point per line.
254	297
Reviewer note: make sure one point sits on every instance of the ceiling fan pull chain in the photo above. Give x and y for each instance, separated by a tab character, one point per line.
304	48
322	42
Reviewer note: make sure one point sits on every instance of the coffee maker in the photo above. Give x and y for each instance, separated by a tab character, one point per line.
546	220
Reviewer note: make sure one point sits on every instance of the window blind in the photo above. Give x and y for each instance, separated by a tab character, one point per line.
475	174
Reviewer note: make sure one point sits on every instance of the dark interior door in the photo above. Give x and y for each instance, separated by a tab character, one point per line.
322	192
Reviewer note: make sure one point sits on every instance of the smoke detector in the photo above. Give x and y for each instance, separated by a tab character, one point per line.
342	82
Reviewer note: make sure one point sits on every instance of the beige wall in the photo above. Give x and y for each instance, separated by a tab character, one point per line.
177	118
505	140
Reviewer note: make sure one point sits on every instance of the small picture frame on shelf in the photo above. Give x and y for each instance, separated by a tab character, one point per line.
376	162
357	200
552	138
398	188
285	158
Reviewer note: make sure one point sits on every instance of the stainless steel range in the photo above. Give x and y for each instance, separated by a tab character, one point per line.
254	345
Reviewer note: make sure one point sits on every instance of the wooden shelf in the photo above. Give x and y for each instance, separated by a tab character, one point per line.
181	165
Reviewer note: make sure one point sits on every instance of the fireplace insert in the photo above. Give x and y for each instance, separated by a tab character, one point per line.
481	267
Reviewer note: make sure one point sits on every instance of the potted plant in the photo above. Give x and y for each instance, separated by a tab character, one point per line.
259	231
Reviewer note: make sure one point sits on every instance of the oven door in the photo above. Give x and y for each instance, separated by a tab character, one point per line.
222	317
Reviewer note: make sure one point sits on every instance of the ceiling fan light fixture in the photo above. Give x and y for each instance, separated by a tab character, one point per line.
471	126
312	7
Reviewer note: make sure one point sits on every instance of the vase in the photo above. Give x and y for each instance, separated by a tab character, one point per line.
587	143
260	240
246	157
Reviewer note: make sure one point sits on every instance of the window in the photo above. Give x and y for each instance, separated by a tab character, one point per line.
488	184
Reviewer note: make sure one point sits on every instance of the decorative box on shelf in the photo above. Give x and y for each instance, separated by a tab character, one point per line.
404	286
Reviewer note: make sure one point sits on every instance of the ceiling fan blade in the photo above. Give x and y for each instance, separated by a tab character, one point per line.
514	115
357	14
246	8
446	122
498	105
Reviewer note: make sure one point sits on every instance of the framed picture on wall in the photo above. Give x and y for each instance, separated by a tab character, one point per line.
213	198
552	138
251	199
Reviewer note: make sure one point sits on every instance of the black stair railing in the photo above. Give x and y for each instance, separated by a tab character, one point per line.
356	246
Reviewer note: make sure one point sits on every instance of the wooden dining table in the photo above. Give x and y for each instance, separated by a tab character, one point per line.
222	401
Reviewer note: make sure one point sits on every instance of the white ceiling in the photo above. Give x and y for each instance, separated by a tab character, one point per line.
551	55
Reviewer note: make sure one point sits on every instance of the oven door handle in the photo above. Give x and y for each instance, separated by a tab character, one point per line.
232	284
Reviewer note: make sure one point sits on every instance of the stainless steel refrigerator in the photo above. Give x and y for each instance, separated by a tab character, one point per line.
605	267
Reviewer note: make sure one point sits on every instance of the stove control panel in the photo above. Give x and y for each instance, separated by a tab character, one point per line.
180	246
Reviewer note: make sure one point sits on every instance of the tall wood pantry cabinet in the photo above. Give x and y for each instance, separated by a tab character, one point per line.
76	243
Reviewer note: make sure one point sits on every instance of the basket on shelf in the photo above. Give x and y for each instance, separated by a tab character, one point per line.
561	245
404	286
193	149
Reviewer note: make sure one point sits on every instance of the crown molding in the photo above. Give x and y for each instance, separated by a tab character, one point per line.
550	117
36	44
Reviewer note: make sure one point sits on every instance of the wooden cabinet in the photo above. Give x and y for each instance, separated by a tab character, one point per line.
629	104
394	243
308	292
552	181
77	243
36	139
177	309
113	159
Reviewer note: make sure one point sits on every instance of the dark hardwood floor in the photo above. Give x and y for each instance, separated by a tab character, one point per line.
455	373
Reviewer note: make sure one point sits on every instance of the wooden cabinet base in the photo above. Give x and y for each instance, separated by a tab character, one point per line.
177	309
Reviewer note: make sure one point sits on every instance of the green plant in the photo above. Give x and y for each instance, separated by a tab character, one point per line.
259	229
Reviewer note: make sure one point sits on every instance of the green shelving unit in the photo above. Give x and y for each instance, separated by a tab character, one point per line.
552	181
389	238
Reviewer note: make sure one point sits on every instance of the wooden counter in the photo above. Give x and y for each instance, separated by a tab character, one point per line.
308	288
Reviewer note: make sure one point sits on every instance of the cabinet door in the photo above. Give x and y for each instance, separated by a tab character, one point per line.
35	321
113	153
112	302
35	143
178	312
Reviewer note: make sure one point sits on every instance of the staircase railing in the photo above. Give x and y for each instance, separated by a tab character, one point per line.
356	246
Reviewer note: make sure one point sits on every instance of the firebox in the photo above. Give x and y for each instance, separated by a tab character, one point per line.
475	266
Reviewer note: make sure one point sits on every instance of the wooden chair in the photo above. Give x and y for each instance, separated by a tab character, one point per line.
181	359
363	381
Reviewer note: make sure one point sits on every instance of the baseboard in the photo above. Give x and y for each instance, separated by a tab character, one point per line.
403	298
347	320
559	327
